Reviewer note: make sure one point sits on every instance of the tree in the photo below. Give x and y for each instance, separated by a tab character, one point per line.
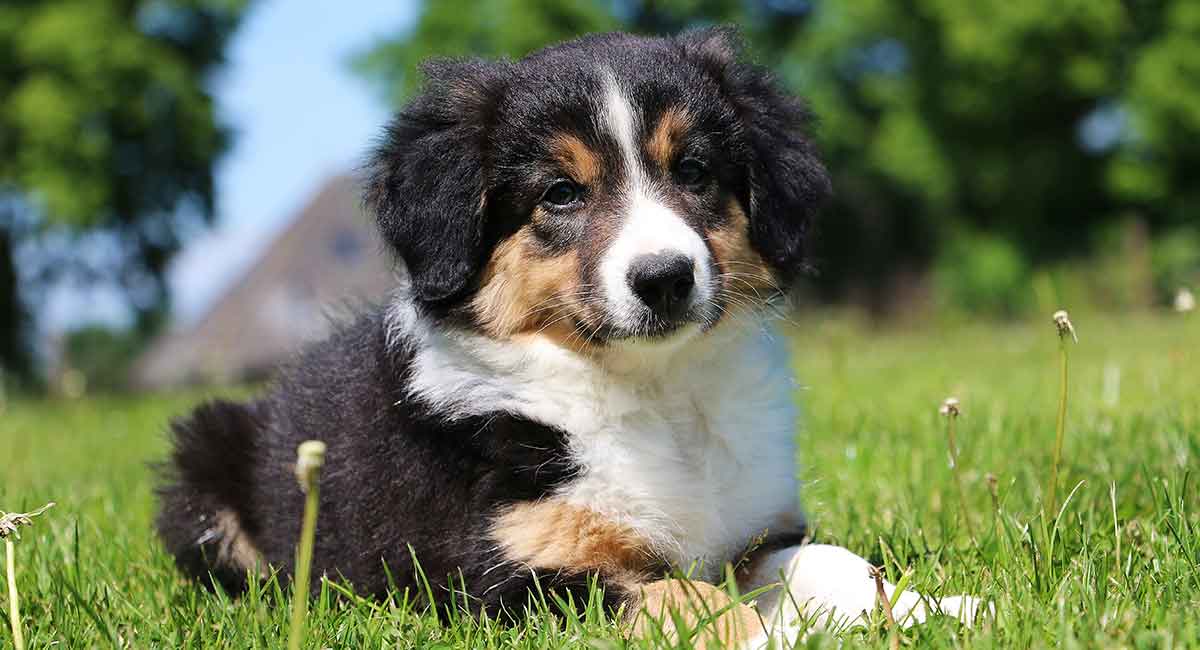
108	136
1019	126
516	27
1010	130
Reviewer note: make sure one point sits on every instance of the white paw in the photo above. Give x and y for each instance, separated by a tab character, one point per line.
831	588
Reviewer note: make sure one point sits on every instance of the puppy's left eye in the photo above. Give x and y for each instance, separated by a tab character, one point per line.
561	193
691	172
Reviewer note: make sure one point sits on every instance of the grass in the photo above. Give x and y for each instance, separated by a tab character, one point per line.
1119	567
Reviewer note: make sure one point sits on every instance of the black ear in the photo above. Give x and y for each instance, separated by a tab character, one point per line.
787	182
426	181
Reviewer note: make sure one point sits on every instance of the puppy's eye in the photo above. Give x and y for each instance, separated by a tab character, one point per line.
561	193
691	172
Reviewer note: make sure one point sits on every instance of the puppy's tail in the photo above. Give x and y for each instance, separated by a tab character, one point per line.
204	518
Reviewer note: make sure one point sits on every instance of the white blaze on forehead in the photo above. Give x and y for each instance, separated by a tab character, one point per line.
649	226
622	124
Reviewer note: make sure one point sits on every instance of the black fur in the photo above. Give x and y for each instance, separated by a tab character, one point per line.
211	469
426	179
787	183
396	477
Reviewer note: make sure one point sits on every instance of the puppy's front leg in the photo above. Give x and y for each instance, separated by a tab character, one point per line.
832	588
564	546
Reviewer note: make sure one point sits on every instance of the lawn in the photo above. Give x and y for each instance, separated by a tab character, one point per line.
1119	568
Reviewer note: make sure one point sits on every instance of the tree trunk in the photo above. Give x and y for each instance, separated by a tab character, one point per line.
14	353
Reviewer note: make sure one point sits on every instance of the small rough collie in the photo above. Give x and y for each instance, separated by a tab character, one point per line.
576	380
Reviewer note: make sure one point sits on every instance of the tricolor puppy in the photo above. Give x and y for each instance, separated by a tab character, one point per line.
577	378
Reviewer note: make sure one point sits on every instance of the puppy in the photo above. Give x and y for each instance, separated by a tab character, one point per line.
577	378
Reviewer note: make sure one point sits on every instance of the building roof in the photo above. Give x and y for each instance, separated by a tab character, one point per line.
327	258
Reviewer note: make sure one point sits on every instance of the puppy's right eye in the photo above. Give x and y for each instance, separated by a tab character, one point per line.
691	172
561	194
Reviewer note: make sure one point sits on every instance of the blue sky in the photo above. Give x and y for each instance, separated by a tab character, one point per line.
299	115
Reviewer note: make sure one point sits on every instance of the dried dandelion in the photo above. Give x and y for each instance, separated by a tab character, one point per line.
10	524
950	411
886	604
1062	322
310	457
1185	300
993	485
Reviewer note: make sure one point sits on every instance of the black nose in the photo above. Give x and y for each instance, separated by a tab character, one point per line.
664	282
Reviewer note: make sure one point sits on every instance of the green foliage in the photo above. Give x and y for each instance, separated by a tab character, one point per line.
1023	121
1175	260
983	275
107	138
102	355
1158	165
511	27
872	454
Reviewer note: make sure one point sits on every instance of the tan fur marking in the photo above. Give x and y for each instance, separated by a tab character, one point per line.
555	535
722	622
552	534
236	549
524	292
667	133
745	273
579	160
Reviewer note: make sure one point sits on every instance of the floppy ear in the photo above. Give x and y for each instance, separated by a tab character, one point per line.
426	181
787	182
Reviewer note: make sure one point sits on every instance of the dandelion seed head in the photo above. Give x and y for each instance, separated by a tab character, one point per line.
1185	300
310	457
10	522
1063	322
949	407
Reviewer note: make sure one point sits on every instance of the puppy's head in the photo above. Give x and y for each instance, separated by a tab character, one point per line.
607	189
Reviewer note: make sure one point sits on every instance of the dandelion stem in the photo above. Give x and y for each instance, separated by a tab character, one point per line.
1112	495
992	483
950	410
1065	329
14	607
886	604
310	458
10	526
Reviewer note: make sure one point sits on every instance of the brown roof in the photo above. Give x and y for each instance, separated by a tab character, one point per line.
328	256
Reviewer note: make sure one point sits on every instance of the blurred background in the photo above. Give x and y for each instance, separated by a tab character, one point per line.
177	202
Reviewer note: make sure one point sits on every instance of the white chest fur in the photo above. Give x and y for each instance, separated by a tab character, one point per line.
695	452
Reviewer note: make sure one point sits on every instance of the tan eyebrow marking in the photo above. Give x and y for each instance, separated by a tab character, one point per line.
664	141
579	159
